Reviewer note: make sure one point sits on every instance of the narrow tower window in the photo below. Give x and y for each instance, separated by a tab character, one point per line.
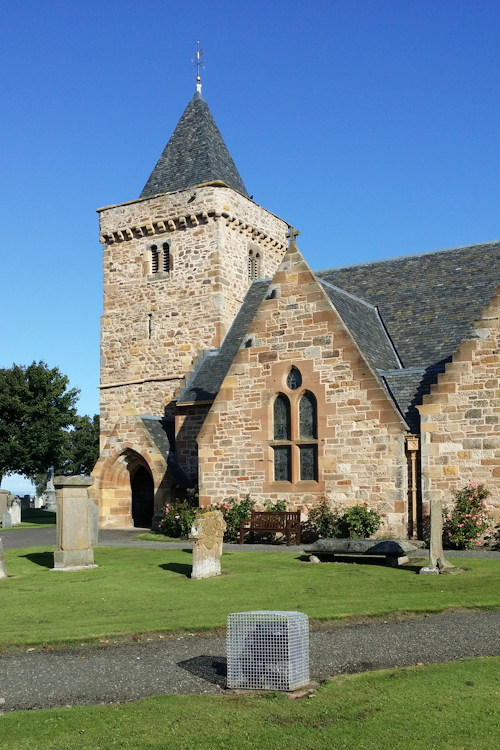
253	264
167	262
154	259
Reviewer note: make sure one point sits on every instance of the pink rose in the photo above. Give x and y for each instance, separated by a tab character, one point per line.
477	543
177	518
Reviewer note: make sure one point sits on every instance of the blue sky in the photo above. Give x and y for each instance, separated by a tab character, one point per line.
371	126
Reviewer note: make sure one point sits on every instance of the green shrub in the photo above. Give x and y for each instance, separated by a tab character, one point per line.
465	525
324	521
177	519
234	513
275	506
359	523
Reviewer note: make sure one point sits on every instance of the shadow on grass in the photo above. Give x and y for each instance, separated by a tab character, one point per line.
45	559
32	515
180	568
364	560
210	668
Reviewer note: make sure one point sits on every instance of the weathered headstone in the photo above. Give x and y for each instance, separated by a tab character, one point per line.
207	534
15	511
93	523
50	492
437	560
74	550
38	502
3	569
6	521
3	501
25	502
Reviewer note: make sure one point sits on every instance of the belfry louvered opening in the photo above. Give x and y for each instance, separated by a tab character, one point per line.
155	258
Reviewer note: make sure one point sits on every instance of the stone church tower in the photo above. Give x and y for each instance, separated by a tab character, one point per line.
178	261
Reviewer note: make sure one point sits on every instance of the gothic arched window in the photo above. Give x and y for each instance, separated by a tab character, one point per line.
282	432
295	434
308	429
282	420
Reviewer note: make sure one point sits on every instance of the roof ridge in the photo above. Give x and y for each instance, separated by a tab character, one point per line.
410	255
348	294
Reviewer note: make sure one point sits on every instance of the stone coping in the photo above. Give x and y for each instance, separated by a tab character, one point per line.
73	481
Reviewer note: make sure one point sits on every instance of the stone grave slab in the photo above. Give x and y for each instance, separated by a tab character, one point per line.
395	551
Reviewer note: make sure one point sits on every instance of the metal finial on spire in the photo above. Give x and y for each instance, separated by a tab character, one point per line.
199	63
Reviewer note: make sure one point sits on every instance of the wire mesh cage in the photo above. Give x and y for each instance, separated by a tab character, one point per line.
267	650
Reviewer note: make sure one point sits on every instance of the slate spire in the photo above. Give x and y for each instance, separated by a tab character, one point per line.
196	153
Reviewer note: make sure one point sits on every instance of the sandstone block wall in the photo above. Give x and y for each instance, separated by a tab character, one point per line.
154	325
460	419
361	455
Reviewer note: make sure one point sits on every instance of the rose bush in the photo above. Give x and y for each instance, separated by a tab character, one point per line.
466	524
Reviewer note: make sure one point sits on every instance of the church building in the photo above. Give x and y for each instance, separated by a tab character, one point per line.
230	368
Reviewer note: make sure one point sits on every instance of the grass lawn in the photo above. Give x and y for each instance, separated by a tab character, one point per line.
152	536
453	706
146	590
35	519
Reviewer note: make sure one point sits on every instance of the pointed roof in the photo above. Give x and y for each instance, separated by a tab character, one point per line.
195	154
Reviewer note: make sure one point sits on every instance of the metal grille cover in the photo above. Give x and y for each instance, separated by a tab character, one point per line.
267	650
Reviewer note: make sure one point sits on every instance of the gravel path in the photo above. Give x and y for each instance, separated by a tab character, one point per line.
197	664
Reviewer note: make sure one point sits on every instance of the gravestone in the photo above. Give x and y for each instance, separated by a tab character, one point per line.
437	560
207	534
15	511
74	550
50	492
25	502
3	569
93	523
38	502
6	521
3	501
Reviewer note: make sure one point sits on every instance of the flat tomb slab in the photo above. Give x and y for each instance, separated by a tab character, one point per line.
387	547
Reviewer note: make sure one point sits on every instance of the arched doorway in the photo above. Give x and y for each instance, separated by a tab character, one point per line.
142	498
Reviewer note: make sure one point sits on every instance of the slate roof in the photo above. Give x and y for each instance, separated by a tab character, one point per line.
207	378
366	327
195	154
162	431
428	302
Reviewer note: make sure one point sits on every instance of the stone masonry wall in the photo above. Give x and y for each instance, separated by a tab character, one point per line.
188	423
361	455
154	325
460	419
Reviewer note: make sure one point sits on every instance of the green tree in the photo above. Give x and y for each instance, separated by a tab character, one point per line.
82	448
36	408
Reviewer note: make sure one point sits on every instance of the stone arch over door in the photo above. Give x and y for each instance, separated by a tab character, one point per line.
115	477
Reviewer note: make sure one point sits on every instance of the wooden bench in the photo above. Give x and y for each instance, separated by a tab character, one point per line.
271	522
